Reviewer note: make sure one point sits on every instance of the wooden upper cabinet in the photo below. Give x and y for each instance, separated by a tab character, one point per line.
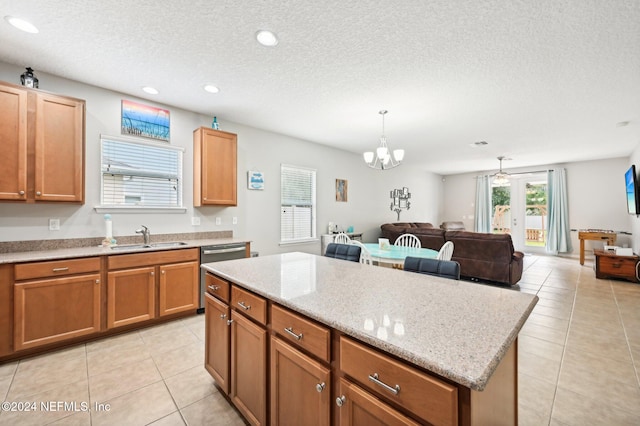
215	167
13	137
59	170
43	139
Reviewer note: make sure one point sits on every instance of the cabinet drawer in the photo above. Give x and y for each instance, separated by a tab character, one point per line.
217	287
426	396
249	304
301	332
618	266
26	271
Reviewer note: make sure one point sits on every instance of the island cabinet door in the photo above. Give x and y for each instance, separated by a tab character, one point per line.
300	387
249	368
217	336
358	407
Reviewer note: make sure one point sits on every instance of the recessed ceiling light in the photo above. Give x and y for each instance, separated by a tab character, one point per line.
266	38
21	24
150	90
211	88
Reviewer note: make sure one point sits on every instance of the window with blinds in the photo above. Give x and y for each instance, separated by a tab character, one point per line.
140	174
297	204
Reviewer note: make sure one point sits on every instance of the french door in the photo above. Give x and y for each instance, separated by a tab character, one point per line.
520	209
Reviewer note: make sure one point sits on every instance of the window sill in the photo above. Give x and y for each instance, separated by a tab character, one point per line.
307	241
137	209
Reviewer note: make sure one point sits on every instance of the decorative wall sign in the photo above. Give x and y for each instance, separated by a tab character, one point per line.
255	180
342	190
145	121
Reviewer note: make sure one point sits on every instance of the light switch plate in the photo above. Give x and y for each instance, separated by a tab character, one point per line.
54	224
235	220
218	221
195	221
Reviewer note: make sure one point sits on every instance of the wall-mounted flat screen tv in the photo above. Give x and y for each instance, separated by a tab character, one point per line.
631	182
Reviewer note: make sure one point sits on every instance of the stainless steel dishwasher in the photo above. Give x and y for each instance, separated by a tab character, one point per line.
217	253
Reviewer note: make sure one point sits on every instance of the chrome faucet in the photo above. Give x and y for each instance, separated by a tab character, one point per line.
146	234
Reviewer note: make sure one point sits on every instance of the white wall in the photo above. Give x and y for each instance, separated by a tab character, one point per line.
257	211
596	198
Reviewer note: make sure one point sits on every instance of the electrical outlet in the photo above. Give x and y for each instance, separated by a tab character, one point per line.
54	224
235	220
218	221
195	221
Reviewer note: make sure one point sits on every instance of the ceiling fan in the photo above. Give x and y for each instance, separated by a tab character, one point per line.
501	178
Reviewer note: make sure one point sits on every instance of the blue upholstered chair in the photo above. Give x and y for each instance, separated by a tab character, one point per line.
343	251
441	268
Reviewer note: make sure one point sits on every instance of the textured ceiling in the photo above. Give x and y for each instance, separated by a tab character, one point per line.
541	81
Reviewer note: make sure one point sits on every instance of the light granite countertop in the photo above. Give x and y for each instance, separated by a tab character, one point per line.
69	253
457	329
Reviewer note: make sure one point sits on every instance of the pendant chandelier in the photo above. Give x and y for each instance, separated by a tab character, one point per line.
501	178
383	158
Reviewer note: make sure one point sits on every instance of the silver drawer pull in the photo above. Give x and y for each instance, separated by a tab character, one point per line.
290	331
61	269
214	287
320	387
341	400
374	379
243	306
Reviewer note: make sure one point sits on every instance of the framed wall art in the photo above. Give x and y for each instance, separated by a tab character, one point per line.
255	180
342	187
145	120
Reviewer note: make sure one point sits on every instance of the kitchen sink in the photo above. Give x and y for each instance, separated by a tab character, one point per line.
143	246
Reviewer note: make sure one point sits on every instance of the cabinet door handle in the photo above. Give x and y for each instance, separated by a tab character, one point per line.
341	400
66	268
21	192
289	330
394	390
243	306
38	193
152	273
97	281
320	387
223	316
163	272
214	287
229	322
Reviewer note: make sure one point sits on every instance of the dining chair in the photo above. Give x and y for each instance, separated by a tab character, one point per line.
350	252
408	240
446	251
441	268
365	255
341	238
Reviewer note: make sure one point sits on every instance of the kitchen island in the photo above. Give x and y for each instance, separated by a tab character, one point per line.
454	343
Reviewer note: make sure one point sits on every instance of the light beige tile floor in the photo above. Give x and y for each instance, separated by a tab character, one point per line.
579	362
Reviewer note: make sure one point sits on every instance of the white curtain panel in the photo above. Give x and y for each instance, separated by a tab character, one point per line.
559	233
482	220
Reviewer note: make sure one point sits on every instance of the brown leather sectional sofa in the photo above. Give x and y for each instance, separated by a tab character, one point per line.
481	256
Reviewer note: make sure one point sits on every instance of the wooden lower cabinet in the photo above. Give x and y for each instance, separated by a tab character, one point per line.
358	407
130	296
179	288
218	337
249	368
300	387
54	309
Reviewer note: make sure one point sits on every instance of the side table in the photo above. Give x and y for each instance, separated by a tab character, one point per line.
594	234
325	239
609	265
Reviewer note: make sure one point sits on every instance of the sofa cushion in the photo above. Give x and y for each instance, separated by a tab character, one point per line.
431	238
452	226
492	247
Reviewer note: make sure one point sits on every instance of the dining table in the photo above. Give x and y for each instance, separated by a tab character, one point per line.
395	255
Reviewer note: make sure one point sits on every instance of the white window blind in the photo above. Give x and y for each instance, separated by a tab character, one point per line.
140	174
298	204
